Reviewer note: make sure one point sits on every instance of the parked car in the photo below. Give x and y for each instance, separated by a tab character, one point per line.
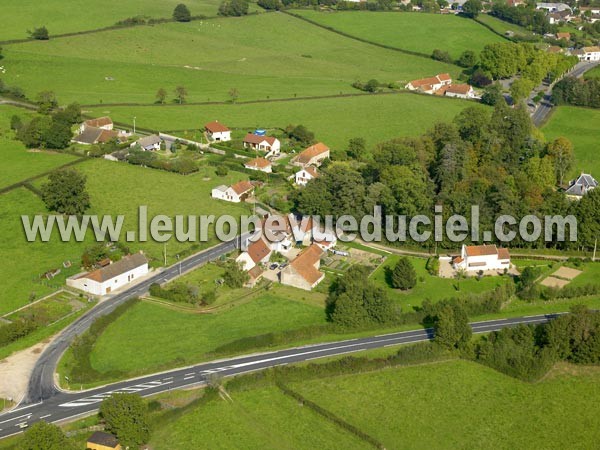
274	266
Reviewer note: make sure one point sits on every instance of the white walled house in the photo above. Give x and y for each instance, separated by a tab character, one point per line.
460	91
430	85
112	277
482	257
257	252
302	177
235	193
303	272
589	54
268	144
216	131
260	164
148	143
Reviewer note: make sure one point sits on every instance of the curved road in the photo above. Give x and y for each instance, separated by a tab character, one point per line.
59	406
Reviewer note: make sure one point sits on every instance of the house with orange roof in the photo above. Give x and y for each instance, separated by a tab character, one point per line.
482	258
459	91
268	144
312	156
111	277
260	164
430	85
257	252
104	123
303	272
303	176
216	131
235	193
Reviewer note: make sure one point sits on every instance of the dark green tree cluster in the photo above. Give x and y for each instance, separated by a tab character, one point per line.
181	13
300	135
126	416
527	352
182	165
577	92
40	34
403	276
452	329
493	159
177	292
507	59
472	8
49	131
233	8
354	301
234	276
97	252
45	436
274	5
530	18
65	192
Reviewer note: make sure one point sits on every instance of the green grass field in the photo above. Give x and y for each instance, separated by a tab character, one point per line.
500	26
432	287
133	344
18	163
209	58
67	16
420	32
256	419
334	121
580	126
594	73
462	404
114	189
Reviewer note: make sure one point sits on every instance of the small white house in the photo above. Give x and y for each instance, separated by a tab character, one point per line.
482	258
303	176
112	277
268	144
589	54
258	252
148	143
216	131
460	91
235	193
260	164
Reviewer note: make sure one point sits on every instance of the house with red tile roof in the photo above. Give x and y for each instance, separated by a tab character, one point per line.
268	144
104	123
430	85
304	175
216	131
312	156
459	91
235	193
258	252
303	272
260	164
477	258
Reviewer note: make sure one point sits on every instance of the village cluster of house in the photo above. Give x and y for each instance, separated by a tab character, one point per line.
300	241
98	131
441	84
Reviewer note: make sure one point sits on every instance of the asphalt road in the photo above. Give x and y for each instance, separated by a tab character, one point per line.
61	406
41	383
543	110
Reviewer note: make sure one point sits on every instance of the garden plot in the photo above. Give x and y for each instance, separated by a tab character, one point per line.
560	278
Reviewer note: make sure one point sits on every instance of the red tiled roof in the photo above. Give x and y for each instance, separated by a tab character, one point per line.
255	273
563	36
312	171
258	250
242	187
481	250
259	163
216	127
444	77
99	122
459	88
255	139
304	264
312	151
503	253
107	135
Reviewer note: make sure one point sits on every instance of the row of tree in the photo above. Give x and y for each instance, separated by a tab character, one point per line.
577	92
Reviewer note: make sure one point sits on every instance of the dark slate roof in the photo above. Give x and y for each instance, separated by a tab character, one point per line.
581	185
102	438
148	141
90	135
115	269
